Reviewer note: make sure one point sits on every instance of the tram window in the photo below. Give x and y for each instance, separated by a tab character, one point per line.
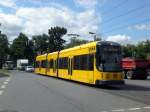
63	63
51	63
43	64
37	64
76	62
83	62
90	62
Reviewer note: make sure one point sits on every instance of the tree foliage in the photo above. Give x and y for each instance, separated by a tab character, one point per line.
41	43
21	48
141	50
55	40
128	50
75	42
49	43
4	49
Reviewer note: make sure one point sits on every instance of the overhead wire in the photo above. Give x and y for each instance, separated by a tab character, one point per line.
127	25
126	19
126	13
115	7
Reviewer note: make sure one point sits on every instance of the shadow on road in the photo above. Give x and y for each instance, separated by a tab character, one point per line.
126	87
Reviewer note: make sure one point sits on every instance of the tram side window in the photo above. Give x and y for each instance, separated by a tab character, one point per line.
51	63
84	62
43	64
76	63
63	63
37	64
91	62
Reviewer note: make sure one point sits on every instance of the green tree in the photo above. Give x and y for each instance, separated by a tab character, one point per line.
75	42
4	49
140	50
55	40
129	50
22	47
147	48
143	49
41	43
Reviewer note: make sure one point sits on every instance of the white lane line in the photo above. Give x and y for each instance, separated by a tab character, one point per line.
8	79
146	107
5	82
134	109
129	109
118	110
1	92
3	86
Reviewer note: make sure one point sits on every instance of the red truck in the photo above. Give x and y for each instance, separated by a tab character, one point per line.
135	68
148	70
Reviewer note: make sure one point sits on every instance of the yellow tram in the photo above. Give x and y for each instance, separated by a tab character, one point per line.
93	63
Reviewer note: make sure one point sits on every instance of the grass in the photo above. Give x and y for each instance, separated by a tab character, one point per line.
4	73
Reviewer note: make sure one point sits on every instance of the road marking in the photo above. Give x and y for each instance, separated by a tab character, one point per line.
129	109
146	107
3	86
8	79
5	82
134	109
118	110
1	92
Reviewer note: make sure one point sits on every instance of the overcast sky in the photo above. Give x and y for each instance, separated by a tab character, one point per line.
123	21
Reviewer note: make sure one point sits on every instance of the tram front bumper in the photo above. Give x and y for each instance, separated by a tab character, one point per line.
110	82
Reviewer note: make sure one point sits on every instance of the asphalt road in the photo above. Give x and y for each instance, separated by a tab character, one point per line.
27	92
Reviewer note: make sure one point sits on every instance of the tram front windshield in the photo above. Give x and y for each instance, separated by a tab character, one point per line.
109	58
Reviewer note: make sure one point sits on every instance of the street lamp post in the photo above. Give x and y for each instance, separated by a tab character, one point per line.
94	35
71	34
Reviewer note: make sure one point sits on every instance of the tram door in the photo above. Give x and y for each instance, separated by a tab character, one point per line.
40	67
70	67
55	70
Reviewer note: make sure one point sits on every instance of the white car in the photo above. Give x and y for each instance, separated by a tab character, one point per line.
29	69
